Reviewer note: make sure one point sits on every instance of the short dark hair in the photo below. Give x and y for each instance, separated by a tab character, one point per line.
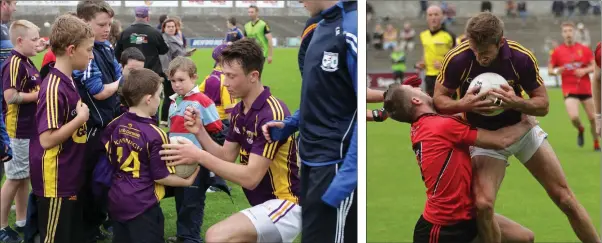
87	9
162	18
246	52
485	29
131	53
397	104
232	20
255	7
139	83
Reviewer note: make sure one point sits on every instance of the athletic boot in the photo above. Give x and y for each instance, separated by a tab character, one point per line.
8	235
580	140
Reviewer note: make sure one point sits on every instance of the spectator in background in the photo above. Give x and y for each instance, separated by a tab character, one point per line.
407	37
398	58
583	7
377	37
522	10
582	35
390	37
174	42
162	19
369	12
570	7
486	6
150	41
115	32
511	8
180	25
234	33
423	6
595	7
558	9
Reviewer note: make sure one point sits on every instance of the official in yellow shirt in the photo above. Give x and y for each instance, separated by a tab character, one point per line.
436	42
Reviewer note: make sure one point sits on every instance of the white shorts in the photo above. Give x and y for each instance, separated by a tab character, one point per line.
523	150
275	220
18	167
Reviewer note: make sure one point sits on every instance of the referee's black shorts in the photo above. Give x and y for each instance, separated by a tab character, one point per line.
426	232
320	221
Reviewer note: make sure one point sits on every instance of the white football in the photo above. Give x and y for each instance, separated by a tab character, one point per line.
183	171
488	81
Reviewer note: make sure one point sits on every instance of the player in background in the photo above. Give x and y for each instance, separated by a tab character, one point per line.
133	142
596	86
258	30
190	201
20	84
57	150
378	96
329	159
574	62
441	144
234	33
213	87
489	51
131	59
268	171
97	85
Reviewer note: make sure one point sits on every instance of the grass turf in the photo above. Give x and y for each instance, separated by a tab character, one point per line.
396	193
284	80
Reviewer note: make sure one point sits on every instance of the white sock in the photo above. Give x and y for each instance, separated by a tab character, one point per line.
20	223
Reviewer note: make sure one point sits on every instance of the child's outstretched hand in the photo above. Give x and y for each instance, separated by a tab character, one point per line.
192	120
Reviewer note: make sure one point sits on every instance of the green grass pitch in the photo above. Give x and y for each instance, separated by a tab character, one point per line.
284	80
396	193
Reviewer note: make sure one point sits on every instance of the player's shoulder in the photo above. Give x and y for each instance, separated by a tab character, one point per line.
313	20
273	109
459	55
520	53
598	47
153	133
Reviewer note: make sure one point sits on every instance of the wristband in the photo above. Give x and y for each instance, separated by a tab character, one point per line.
379	115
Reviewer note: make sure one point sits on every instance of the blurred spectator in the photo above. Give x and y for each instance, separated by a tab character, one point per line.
511	8
486	6
377	37
583	7
582	35
369	11
522	10
449	12
234	33
162	19
570	7
398	58
180	27
407	37
595	7
174	43
115	32
558	8
423	6
390	37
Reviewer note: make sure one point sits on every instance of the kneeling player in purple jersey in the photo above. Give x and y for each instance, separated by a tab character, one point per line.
133	142
268	171
486	50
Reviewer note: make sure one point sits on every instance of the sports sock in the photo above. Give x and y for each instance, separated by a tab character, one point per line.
581	129
20	223
596	143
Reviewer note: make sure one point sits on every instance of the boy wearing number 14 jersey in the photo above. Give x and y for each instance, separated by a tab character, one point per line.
133	142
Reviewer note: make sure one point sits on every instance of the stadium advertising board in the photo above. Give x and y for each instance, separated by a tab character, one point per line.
207	4
294	4
205	42
47	3
260	4
151	3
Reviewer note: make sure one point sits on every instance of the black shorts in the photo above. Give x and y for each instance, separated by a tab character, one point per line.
59	219
429	82
580	97
320	221
426	232
147	227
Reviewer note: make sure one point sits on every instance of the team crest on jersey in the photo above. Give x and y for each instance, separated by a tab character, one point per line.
236	130
330	61
250	136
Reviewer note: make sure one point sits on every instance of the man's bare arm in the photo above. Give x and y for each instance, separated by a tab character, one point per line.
444	102
596	92
503	137
538	103
228	152
374	96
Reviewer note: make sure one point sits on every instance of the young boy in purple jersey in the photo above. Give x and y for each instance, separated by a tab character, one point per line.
57	150
268	171
21	82
133	142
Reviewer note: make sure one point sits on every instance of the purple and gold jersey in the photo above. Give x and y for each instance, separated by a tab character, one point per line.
133	144
281	181
57	171
514	62
21	74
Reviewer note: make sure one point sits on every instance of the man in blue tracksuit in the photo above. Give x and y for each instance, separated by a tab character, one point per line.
327	124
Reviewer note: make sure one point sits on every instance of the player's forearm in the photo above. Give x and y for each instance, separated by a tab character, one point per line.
535	106
107	91
270	47
510	135
236	173
12	96
52	138
374	96
209	145
369	116
174	181
446	105
596	92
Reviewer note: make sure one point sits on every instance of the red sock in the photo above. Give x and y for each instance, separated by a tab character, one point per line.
581	129
596	144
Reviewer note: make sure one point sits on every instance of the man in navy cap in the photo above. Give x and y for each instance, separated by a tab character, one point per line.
150	41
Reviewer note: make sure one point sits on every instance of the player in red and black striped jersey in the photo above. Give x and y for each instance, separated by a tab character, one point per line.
596	89
441	144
